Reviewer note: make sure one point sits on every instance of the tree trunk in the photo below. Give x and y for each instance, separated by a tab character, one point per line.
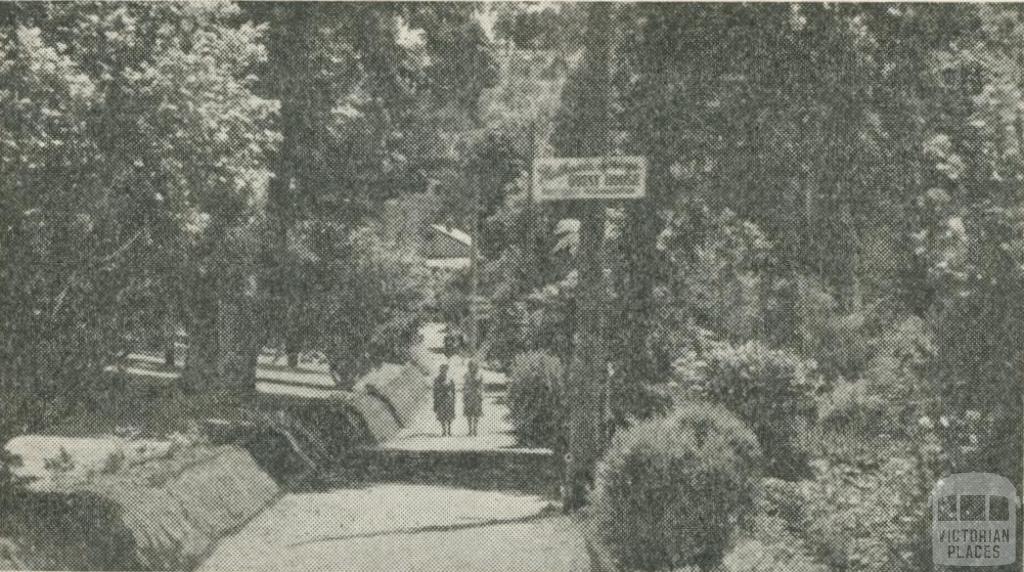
639	244
292	29
170	339
850	296
223	336
203	342
169	357
237	341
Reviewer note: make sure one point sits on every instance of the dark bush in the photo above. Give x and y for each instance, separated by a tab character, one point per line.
670	491
891	398
853	409
773	391
534	399
769	544
777	556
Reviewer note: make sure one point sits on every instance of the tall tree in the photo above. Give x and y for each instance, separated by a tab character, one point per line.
132	143
351	79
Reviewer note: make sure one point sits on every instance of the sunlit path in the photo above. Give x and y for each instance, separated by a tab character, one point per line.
424	432
392	528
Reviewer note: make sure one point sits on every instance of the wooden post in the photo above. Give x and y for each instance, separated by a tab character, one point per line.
587	373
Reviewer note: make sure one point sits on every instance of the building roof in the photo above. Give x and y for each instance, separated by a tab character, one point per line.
453	233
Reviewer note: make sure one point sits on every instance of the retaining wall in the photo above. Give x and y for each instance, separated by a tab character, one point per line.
376	416
164	514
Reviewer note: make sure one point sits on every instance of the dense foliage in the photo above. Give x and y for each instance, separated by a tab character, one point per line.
131	145
536	399
866	508
772	391
837	184
375	289
209	170
870	223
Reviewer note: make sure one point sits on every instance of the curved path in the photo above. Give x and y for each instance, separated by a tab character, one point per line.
402	527
452	524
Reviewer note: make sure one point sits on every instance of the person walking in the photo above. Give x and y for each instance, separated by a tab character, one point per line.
444	400
473	397
448	408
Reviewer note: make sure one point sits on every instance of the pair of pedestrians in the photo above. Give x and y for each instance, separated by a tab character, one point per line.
472	399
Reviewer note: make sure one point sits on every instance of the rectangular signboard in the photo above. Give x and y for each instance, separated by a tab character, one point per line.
585	178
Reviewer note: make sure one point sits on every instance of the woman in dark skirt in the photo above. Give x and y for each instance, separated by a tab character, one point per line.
444	401
473	397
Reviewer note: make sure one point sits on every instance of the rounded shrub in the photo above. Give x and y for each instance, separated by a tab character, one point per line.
535	399
670	491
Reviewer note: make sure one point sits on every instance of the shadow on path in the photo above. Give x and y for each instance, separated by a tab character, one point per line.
481	523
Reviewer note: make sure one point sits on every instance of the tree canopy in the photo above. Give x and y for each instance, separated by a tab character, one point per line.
820	176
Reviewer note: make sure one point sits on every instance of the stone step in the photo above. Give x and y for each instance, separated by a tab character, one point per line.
503	469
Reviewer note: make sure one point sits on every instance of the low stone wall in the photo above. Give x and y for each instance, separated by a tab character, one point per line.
164	514
404	392
328	414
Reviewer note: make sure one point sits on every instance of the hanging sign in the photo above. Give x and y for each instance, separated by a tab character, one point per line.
585	178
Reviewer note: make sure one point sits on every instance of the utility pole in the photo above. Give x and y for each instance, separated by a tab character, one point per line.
587	374
474	271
